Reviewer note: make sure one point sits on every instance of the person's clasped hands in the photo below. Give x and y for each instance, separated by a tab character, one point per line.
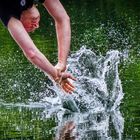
63	78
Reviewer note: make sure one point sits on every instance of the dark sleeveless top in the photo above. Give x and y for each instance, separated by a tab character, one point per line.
14	8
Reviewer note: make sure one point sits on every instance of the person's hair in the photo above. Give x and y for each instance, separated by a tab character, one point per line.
29	12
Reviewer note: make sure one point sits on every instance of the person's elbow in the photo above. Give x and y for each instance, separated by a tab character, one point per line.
65	19
30	54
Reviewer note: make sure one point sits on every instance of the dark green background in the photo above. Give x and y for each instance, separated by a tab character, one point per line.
101	25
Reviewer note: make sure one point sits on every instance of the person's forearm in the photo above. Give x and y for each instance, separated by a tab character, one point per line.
31	52
63	37
38	59
63	30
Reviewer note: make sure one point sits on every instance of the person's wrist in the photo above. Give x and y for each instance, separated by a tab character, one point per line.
61	66
57	78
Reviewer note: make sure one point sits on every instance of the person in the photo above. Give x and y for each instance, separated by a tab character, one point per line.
21	17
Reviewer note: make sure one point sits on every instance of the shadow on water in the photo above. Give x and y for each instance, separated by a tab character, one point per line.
92	111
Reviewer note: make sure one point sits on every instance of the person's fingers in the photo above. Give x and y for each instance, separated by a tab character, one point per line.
68	75
68	87
72	77
63	81
70	84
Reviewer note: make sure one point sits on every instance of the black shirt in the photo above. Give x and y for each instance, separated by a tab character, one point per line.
14	8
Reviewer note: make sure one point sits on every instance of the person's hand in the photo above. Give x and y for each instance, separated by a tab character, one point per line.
60	66
63	80
65	83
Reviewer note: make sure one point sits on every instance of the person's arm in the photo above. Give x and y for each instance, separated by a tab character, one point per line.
62	23
22	38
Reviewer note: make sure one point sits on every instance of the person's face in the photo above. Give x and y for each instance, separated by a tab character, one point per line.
30	19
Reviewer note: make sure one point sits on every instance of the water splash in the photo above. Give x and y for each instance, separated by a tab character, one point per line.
98	95
98	79
94	106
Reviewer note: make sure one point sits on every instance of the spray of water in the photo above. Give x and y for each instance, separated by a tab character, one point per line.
94	106
97	97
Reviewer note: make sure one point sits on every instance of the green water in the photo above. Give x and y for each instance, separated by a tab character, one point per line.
100	25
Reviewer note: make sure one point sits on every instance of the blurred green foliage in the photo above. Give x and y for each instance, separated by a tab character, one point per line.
101	25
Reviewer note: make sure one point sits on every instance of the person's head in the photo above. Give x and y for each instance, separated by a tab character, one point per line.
30	19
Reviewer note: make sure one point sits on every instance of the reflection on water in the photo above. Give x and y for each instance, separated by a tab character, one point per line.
92	111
